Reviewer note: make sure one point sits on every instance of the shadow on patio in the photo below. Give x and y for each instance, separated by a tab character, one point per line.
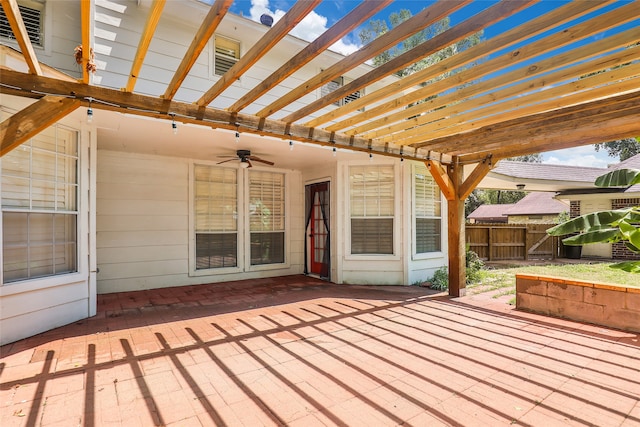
298	351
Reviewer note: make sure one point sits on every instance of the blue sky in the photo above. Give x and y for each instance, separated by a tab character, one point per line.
328	12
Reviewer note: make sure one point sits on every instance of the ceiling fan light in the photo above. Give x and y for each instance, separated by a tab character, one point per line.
244	164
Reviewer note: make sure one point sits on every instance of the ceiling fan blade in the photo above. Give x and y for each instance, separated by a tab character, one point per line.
249	161
225	161
258	159
227	156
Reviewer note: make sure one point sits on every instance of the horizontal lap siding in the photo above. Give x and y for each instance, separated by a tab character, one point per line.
142	221
143	225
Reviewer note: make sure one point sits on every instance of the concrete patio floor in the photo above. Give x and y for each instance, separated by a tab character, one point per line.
301	352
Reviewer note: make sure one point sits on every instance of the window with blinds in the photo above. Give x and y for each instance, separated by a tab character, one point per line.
335	84
216	217
227	53
40	206
31	15
427	212
372	207
266	217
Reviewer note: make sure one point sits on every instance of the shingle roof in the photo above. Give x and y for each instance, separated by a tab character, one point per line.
543	171
538	203
491	211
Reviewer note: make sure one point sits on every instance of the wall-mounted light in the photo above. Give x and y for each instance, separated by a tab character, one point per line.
174	125
90	112
290	145
371	157
520	187
335	152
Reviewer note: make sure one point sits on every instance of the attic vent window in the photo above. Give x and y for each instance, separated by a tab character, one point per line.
32	18
336	84
227	53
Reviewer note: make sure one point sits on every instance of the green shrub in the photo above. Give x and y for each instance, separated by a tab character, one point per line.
440	279
474	266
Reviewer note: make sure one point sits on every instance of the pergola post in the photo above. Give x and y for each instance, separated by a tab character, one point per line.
456	189
456	236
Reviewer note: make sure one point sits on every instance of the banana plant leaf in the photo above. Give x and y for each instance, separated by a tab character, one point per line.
598	236
628	266
591	221
619	178
632	248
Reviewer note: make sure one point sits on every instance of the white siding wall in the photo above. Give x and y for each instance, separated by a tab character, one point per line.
32	306
143	225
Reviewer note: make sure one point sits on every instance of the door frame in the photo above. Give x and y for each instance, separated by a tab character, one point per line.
309	250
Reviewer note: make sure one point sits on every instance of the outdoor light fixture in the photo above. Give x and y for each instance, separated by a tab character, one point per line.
520	187
174	125
335	151
90	112
371	157
290	145
237	136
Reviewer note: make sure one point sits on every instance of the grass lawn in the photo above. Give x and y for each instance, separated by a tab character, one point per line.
503	279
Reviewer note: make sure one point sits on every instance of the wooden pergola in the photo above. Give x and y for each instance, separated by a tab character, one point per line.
538	86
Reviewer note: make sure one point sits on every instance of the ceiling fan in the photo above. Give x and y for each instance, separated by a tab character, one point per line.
245	158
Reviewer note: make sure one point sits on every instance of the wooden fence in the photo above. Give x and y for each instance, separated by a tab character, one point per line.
494	242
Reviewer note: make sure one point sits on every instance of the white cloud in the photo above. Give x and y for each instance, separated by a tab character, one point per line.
312	26
579	156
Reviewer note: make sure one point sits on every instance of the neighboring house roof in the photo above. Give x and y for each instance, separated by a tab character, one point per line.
534	203
491	212
538	203
543	177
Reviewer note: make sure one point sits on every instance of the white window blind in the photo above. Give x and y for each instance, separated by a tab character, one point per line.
216	213
227	53
427	212
267	217
336	84
372	206
40	206
32	17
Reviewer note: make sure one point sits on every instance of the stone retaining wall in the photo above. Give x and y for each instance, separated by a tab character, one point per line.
608	305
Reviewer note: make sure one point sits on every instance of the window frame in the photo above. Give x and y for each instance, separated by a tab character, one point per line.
193	270
340	81
45	22
243	224
415	255
212	62
285	231
397	250
65	277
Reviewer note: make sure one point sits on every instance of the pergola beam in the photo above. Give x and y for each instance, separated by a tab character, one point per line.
418	22
208	27
33	119
398	121
429	47
501	41
145	40
577	125
26	85
354	18
12	12
281	28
